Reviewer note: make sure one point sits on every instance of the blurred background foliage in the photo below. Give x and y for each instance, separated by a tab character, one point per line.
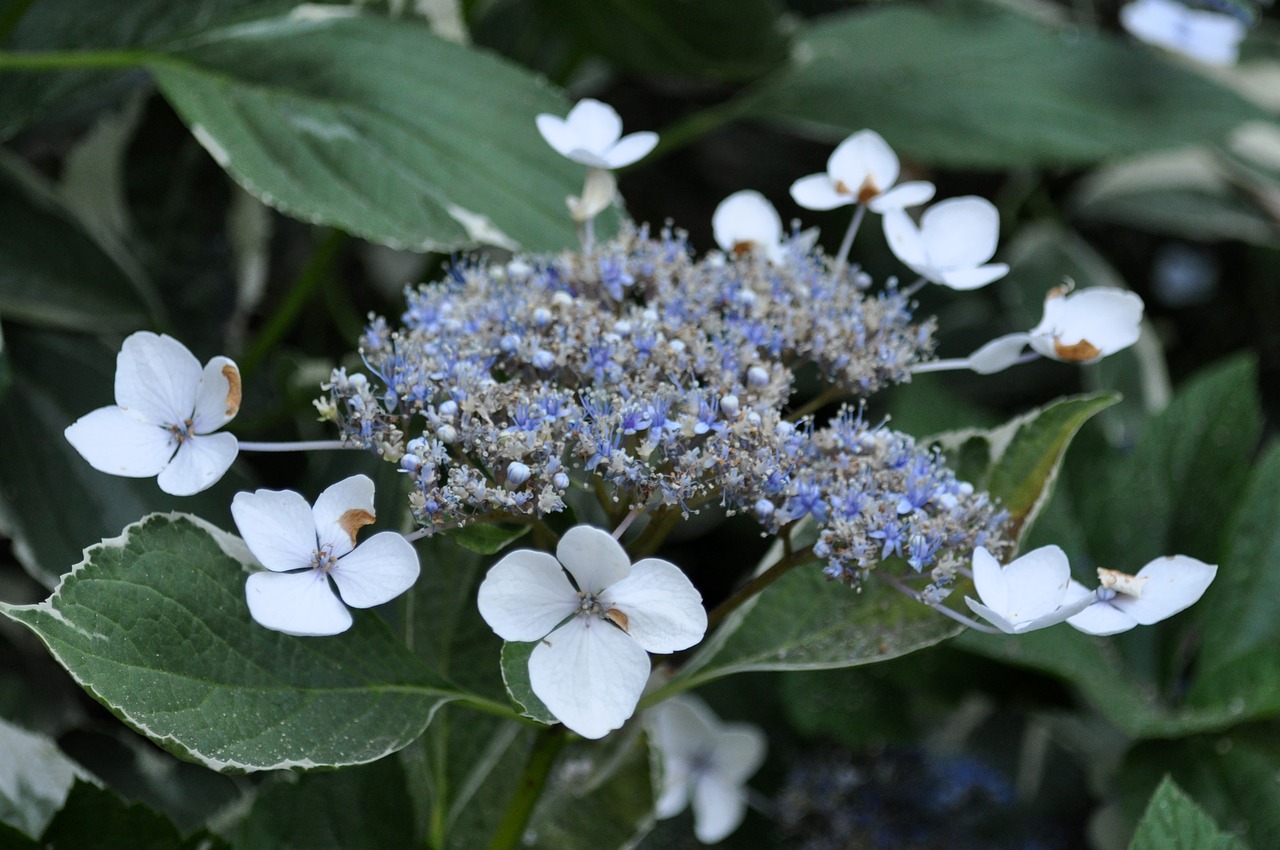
255	178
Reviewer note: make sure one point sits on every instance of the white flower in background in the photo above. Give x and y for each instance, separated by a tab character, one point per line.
592	135
162	423
1160	589
1077	327
862	169
952	243
703	761
745	221
305	547
1210	37
591	662
1027	594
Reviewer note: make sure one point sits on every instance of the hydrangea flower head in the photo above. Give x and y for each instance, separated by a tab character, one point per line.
592	135
746	221
306	547
862	169
1205	36
706	762
1160	589
594	634
163	422
952	243
1077	327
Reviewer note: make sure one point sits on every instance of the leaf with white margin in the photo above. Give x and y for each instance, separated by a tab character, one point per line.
153	624
34	779
515	675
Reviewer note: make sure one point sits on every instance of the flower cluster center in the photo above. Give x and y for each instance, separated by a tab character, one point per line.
323	559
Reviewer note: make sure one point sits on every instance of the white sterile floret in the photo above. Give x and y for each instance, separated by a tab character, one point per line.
304	547
1077	327
1205	36
745	221
167	408
703	761
862	169
1027	594
1160	589
952	243
592	135
591	662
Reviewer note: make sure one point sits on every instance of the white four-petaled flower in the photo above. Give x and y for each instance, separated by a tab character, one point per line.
592	135
1077	327
305	547
952	243
1026	594
162	423
862	169
703	761
591	662
1160	589
1210	37
745	221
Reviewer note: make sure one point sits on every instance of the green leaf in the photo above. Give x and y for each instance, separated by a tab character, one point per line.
1238	656
986	83
515	675
1018	462
805	621
356	808
723	39
1176	490
418	143
488	538
1173	821
52	271
96	819
153	624
34	779
52	503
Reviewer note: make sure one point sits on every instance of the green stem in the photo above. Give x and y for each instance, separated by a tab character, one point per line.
693	127
63	60
784	565
286	314
830	395
515	820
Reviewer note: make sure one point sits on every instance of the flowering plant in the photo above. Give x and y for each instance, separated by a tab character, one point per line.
647	501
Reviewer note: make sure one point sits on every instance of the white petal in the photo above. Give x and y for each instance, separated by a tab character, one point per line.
989	580
157	378
1108	319
342	510
631	148
557	133
1037	583
118	443
960	233
1153	21
904	195
718	808
991	616
681	727
593	558
1174	583
739	751
379	570
999	354
746	218
864	162
664	610
595	125
526	595
904	239
1100	618
296	603
201	460
590	674
276	526
673	796
963	280
817	192
218	396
